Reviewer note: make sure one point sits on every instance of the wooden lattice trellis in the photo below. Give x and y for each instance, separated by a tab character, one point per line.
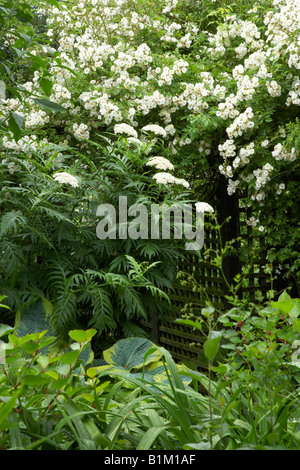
185	343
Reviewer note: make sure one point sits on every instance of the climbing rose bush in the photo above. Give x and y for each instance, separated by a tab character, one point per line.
212	88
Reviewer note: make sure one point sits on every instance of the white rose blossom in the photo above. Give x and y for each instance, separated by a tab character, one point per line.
127	80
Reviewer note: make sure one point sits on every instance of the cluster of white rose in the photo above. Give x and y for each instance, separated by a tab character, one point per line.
280	153
246	30
36	118
100	105
81	131
152	101
61	95
253	74
232	186
193	97
104	73
294	93
204	147
273	88
227	109
262	175
166	75
253	222
27	144
244	156
227	149
241	123
283	31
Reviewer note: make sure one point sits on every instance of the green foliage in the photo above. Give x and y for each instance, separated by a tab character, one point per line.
137	356
32	383
106	284
69	73
56	400
35	320
130	353
47	402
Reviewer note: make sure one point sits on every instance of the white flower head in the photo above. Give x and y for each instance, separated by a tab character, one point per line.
160	163
203	207
125	129
167	178
158	130
164	178
136	142
66	178
182	182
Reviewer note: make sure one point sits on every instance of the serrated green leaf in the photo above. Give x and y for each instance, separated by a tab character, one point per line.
5	329
35	380
43	361
30	347
53	374
70	357
6	409
82	336
284	305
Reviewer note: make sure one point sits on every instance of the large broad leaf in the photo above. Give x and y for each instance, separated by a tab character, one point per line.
46	85
129	353
285	304
35	319
140	358
156	372
86	356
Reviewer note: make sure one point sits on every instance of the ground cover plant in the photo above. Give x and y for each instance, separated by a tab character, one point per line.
170	102
139	398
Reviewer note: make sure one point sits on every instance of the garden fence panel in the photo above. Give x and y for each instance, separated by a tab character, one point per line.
182	341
